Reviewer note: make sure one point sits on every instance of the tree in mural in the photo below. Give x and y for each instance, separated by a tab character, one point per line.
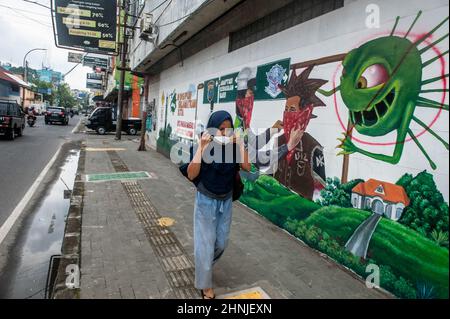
173	102
428	212
381	85
337	194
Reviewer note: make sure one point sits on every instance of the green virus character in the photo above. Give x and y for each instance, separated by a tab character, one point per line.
381	86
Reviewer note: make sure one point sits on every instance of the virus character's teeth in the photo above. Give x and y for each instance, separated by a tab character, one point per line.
375	113
382	108
358	118
390	98
370	117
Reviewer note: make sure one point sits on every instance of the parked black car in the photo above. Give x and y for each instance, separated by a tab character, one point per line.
12	119
56	114
103	120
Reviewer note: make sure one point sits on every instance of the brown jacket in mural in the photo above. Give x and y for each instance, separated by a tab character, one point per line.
306	173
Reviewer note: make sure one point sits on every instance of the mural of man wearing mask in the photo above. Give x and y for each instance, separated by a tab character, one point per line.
264	153
294	157
303	169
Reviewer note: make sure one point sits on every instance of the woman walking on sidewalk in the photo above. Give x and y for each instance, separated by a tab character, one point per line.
214	199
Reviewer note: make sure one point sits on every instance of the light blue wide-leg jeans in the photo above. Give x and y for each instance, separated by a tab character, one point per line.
212	223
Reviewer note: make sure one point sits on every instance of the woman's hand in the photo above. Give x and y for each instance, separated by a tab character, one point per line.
238	138
205	140
195	165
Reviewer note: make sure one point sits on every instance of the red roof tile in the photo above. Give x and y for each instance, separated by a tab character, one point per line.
392	193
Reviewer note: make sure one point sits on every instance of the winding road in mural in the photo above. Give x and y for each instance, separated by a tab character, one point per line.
360	240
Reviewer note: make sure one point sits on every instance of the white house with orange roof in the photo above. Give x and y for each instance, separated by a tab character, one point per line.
382	198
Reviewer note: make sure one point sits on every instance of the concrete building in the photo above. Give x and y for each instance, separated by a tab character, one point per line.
12	88
200	56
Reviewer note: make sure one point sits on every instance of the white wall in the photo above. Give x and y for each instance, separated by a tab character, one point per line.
167	13
337	32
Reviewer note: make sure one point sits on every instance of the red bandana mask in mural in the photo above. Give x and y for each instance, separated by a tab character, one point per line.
295	121
245	108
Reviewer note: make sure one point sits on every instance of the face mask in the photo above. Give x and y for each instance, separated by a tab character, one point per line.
222	139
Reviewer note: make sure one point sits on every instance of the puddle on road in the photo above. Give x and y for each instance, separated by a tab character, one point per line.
25	275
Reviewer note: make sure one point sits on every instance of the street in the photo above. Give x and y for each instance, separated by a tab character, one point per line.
23	159
320	131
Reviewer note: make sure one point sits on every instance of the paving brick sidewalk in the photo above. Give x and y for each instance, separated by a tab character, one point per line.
126	253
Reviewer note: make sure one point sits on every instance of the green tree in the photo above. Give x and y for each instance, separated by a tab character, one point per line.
427	212
31	73
42	86
336	193
64	97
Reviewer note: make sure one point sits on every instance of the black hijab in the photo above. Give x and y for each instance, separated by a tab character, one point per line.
218	177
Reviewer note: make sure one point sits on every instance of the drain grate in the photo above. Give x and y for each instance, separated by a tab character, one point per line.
177	266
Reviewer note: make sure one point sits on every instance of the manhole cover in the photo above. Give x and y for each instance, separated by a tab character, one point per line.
118	176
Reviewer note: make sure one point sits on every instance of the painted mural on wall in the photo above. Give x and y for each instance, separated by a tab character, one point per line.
178	118
400	225
388	72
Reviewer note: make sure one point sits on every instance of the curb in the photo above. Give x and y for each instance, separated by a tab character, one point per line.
77	128
71	245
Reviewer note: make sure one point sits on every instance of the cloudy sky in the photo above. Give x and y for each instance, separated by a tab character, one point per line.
25	26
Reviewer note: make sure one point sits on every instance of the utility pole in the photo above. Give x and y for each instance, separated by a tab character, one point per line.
25	75
25	69
142	147
123	63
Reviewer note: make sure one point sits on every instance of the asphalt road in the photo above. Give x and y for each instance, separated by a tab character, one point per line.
22	160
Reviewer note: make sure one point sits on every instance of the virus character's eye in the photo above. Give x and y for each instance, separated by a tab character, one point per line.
373	76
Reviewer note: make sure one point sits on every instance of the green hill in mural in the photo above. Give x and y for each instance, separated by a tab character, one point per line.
340	223
275	202
406	251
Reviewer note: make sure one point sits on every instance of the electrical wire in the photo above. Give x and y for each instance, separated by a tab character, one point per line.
179	19
23	10
37	3
158	6
175	21
29	18
168	5
76	65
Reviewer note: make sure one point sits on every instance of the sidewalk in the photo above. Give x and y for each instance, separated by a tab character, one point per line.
137	239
